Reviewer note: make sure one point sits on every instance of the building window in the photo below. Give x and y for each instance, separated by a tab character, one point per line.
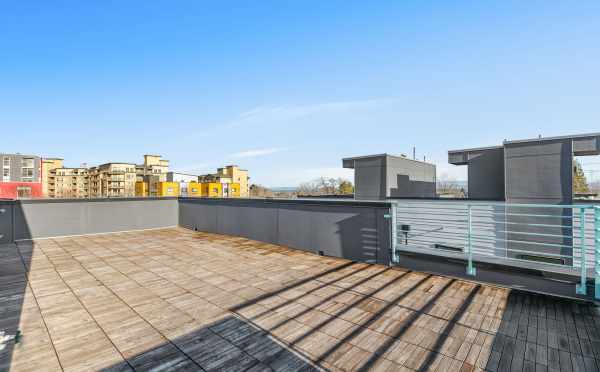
27	172
27	163
6	161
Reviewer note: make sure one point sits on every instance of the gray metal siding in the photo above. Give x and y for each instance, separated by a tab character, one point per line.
539	170
410	179
586	146
486	175
380	177
369	179
457	158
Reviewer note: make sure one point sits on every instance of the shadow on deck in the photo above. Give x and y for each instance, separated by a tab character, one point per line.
365	317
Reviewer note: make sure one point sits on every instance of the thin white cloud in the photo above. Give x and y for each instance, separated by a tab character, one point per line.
280	114
257	152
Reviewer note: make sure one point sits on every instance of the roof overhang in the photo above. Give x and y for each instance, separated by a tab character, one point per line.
349	162
583	144
462	157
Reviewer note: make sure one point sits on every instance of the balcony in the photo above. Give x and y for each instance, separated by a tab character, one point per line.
133	286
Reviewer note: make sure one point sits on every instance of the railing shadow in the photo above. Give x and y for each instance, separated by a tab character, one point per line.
234	344
531	330
538	332
407	323
439	341
229	344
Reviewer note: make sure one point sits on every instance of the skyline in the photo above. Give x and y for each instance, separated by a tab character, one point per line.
287	91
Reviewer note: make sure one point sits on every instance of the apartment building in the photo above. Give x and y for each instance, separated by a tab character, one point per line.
49	165
234	182
239	176
21	176
59	181
112	180
154	165
152	172
69	183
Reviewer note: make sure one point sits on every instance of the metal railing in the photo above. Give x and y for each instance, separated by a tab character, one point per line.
563	238
597	252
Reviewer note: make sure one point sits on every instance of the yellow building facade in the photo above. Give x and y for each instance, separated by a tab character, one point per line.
141	188
168	189
211	189
162	189
234	190
48	166
194	189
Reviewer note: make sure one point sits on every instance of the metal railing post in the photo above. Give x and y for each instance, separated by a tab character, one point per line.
470	268
395	257
581	288
597	253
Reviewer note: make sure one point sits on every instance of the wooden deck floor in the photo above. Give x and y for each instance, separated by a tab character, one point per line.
183	300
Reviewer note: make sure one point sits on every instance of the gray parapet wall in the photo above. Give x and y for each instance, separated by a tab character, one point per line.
341	228
42	218
6	221
354	230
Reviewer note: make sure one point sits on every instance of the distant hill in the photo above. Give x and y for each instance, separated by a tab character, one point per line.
458	184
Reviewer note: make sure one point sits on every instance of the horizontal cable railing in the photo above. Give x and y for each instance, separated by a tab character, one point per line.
535	235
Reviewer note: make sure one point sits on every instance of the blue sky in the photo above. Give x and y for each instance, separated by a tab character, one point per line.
288	88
